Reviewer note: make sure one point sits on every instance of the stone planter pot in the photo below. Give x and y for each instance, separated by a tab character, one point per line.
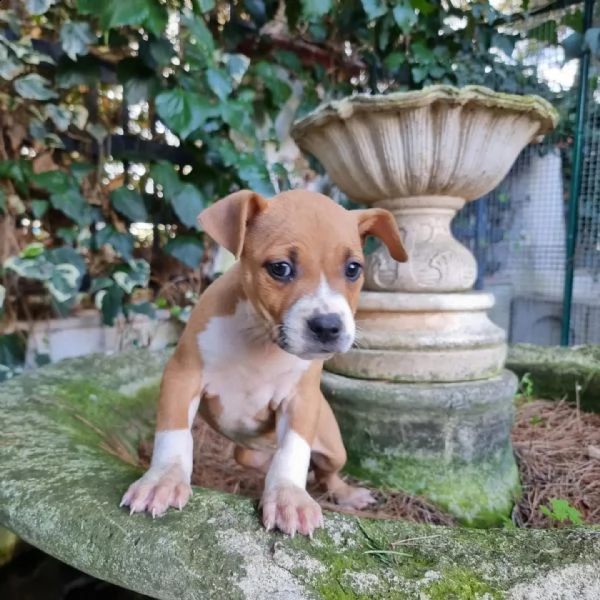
423	155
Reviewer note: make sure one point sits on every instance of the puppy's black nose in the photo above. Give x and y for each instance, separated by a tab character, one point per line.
327	328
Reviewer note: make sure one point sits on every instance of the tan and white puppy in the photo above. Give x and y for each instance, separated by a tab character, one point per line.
251	355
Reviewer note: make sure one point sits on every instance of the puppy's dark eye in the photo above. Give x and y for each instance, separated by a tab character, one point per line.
281	271
353	270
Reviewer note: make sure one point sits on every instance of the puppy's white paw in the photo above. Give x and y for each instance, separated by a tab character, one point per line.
158	489
355	497
290	509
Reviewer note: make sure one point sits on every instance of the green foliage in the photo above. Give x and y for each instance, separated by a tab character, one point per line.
526	389
561	511
223	80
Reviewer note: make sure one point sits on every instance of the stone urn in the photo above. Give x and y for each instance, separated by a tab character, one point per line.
434	410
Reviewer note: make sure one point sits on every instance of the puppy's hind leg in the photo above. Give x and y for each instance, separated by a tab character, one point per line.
328	457
253	459
167	481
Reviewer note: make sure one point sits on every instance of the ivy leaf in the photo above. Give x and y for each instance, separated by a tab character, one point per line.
316	8
182	112
75	38
374	8
121	242
156	20
505	43
203	6
53	181
255	175
73	205
59	115
64	282
130	204
32	250
37	129
67	234
160	51
97	131
39	208
405	16
201	34
425	6
37	267
592	40
88	7
147	13
136	274
33	87
2	296
2	201
186	249
39	7
237	65
10	68
67	255
187	203
163	174
100	283
573	46
219	83
110	303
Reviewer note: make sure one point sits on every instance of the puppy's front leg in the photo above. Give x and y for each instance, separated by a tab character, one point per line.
286	504
167	481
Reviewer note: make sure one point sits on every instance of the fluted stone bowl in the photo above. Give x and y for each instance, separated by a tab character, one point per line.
67	451
439	141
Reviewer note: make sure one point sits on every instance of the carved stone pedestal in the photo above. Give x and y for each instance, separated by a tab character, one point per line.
423	401
424	338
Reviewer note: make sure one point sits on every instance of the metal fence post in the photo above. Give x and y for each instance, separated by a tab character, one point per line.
575	190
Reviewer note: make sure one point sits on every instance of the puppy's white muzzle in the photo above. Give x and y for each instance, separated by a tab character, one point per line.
318	325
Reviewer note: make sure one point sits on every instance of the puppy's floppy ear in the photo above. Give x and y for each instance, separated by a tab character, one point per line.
381	224
226	220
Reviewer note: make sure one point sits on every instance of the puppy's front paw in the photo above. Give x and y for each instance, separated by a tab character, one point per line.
158	489
289	508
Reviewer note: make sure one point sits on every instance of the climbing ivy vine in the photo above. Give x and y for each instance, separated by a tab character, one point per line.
121	120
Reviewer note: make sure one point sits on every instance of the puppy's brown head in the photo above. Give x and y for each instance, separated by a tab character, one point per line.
302	262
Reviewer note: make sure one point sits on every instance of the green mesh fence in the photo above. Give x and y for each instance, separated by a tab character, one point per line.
519	232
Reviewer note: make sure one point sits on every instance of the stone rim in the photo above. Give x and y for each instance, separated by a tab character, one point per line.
477	96
425	302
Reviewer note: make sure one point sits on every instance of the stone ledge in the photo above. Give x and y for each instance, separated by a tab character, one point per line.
61	487
557	371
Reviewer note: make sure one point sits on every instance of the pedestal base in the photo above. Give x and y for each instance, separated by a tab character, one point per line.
449	442
412	337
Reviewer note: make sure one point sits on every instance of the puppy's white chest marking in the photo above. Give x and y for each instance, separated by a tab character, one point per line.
245	370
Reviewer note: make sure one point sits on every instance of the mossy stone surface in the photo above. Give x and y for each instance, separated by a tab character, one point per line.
560	372
449	442
62	482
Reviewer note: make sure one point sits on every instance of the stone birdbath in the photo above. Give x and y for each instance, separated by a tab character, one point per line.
68	446
424	402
